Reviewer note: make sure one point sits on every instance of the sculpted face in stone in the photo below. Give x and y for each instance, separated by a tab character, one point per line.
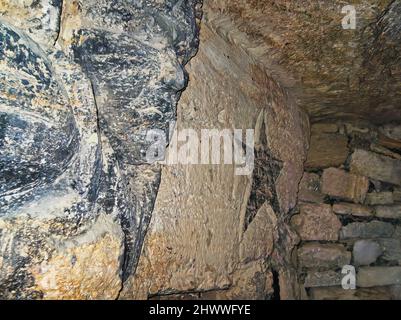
73	126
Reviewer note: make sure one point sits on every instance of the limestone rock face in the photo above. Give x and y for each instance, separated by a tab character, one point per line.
213	230
81	84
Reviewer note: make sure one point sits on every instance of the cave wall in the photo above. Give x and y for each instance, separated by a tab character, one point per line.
209	236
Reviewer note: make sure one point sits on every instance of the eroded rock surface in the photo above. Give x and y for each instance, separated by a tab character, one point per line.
81	85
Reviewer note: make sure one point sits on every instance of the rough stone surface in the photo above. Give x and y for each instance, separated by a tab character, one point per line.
376	166
316	279
388	212
81	83
319	128
377	198
340	184
327	150
316	222
391	249
327	256
366	252
205	214
338	293
378	276
373	229
397	195
352	209
310	188
333	72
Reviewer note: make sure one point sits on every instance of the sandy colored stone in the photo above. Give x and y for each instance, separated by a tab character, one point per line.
352	209
327	150
316	222
340	184
376	166
87	272
326	256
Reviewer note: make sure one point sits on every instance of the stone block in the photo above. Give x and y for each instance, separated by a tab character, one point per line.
373	229
378	276
316	279
317	222
366	252
379	198
310	188
319	128
316	255
397	195
391	249
338	293
340	184
352	209
376	166
388	212
327	150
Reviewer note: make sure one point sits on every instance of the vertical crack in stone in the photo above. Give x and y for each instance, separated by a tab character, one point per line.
266	171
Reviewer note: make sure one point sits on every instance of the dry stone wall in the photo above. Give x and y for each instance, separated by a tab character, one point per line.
349	211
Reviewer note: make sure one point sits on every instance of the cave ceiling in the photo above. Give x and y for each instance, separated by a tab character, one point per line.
332	72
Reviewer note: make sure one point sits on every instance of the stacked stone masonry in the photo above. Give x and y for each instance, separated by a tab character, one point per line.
349	212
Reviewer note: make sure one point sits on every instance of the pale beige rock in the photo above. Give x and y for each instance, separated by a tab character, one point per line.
258	240
327	256
327	150
318	128
352	209
317	222
378	276
376	166
340	184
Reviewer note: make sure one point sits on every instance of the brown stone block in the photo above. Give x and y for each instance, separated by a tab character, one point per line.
317	255
317	222
340	184
327	150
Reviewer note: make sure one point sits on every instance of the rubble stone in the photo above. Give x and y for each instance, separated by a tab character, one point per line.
340	184
376	166
317	222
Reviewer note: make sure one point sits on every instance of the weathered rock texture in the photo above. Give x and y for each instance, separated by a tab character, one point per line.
214	233
81	84
349	215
